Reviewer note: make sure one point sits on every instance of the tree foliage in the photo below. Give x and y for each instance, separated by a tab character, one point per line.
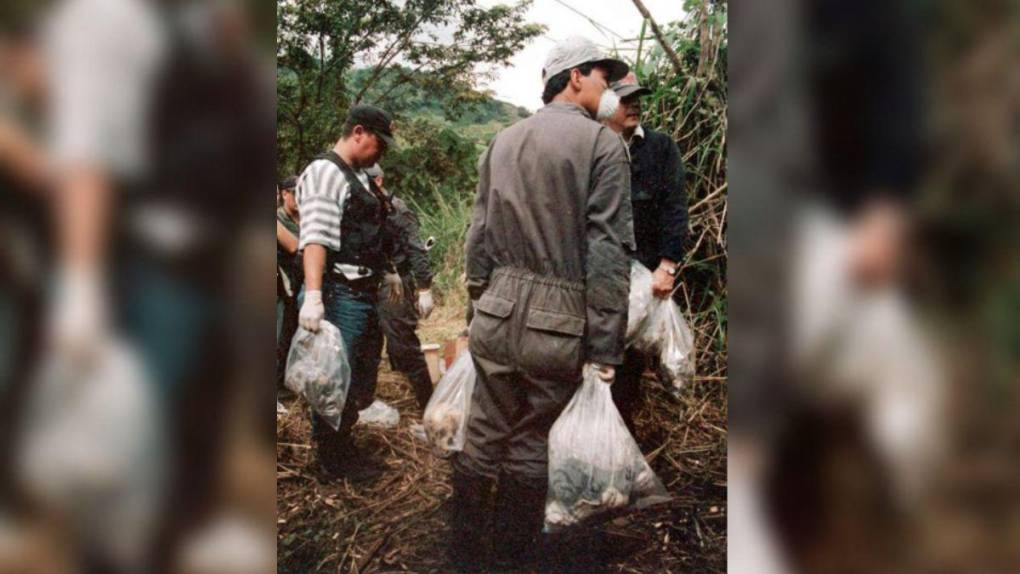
411	100
441	46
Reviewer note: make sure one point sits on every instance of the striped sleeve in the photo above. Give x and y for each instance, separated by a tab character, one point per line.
321	191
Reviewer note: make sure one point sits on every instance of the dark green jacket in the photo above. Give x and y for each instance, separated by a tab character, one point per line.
410	256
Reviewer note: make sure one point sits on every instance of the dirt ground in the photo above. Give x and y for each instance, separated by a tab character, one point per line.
399	522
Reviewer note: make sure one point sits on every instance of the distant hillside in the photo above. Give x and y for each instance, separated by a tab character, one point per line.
475	115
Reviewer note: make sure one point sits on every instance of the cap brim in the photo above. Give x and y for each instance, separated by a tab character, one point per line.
625	91
390	141
617	69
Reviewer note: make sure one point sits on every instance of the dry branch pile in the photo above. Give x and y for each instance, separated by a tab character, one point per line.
399	521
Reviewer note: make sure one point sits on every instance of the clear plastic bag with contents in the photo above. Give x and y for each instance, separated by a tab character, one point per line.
594	463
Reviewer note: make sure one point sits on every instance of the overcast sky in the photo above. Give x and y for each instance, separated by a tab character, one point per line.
521	83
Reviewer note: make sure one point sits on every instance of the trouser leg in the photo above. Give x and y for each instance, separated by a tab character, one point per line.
476	469
529	365
286	327
354	313
549	352
626	389
399	324
498	397
520	513
470	522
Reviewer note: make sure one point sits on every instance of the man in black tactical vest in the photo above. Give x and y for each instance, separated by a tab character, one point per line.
344	247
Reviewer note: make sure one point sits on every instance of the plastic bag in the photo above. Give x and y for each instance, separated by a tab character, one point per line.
94	450
446	414
640	298
656	327
594	463
675	358
379	414
318	370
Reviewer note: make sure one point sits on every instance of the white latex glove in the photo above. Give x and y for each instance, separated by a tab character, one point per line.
393	288
312	311
78	321
606	373
425	303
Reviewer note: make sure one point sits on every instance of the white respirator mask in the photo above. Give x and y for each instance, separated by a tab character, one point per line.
608	104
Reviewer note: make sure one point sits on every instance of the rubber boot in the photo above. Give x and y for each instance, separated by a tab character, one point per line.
338	456
354	464
519	517
470	522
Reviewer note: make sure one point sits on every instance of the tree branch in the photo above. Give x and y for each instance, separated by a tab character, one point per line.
401	41
658	35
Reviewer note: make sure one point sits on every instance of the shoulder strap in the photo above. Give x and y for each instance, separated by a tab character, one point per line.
352	178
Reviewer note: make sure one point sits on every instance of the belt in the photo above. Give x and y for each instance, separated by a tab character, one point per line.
356	281
352	272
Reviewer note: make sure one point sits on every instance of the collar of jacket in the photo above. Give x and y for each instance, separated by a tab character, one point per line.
637	140
639	132
565	107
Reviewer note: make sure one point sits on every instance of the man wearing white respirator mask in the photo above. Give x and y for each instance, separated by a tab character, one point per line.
659	203
609	104
548	270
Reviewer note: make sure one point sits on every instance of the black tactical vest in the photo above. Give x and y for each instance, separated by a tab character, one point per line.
363	238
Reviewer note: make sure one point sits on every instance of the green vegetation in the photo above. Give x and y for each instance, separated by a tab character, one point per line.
332	54
444	122
405	96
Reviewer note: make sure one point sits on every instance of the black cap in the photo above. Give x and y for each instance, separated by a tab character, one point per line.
288	183
374	119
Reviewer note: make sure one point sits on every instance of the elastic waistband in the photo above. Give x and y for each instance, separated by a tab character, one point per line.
532	277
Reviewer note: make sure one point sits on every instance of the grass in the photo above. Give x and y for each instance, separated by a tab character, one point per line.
445	216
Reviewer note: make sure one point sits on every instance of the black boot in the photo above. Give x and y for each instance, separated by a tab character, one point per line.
518	521
470	534
354	464
339	457
329	447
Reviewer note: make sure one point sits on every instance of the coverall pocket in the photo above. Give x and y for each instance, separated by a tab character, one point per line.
551	345
490	328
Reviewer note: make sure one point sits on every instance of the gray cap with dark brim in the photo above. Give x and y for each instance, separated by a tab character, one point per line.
576	51
628	86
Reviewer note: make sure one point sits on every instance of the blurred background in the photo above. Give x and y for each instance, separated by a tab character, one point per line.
136	137
872	268
874	295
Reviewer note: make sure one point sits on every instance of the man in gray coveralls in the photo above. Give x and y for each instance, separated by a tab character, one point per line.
548	257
